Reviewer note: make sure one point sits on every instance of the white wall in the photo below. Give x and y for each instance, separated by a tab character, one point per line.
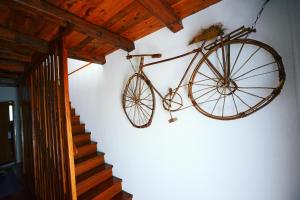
294	6
11	94
197	157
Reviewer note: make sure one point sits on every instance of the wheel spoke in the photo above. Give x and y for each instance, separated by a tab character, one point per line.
203	80
262	66
146	96
219	60
146	106
206	76
237	57
144	115
129	106
204	89
206	93
145	111
129	112
236	109
130	100
134	114
217	102
254	95
139	115
150	100
256	75
269	88
208	85
207	101
130	92
208	98
246	61
223	103
242	101
147	88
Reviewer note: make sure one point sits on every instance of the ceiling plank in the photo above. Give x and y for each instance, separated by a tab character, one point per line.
11	66
9	75
10	55
80	25
162	11
82	44
23	40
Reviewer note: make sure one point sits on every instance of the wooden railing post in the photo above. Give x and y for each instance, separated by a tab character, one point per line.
46	124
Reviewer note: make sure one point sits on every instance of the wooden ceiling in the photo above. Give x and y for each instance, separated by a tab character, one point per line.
93	28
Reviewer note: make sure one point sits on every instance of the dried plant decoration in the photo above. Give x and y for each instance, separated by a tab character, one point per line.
208	33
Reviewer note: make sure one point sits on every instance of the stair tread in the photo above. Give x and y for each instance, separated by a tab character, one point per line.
85	158
123	195
94	178
92	172
100	188
81	124
86	144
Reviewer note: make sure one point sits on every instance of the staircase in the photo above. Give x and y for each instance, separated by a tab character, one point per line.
94	179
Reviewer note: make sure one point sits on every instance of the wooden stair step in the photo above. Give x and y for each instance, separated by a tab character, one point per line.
92	178
77	129
86	149
87	163
75	119
104	191
81	139
122	196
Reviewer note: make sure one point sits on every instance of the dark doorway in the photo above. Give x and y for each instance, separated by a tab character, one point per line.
7	149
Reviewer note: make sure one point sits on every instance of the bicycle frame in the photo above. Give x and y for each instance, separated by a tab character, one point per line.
238	33
142	66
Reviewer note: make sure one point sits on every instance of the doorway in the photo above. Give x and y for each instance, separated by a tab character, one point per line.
7	133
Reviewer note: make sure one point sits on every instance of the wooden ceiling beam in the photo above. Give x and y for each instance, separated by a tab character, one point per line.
52	12
20	39
12	39
162	11
11	66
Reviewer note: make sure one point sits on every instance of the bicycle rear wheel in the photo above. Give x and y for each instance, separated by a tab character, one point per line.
138	101
256	77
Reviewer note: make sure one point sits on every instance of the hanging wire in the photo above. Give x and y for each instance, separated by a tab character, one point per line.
260	13
131	65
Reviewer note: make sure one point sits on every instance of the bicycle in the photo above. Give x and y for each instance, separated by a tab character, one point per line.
235	77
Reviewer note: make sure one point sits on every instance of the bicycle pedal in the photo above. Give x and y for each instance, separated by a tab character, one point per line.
173	119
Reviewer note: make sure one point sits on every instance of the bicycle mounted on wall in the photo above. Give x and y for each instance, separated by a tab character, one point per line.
235	77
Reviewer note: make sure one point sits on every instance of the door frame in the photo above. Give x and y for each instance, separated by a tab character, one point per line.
14	134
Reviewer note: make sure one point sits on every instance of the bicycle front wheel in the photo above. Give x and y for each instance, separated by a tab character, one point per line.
138	101
254	77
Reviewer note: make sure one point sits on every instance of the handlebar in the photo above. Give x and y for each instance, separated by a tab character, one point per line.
156	55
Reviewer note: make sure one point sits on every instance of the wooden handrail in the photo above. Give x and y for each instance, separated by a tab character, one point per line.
80	68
